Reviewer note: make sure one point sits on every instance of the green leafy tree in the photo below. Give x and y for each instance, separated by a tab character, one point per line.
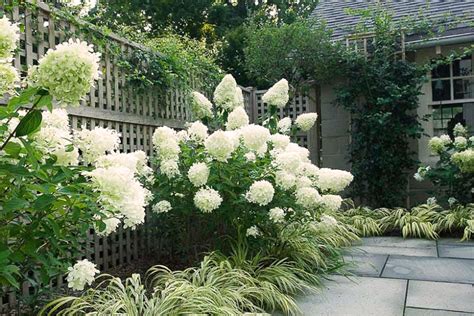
301	52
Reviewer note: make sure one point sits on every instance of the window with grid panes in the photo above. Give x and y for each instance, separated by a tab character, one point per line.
452	89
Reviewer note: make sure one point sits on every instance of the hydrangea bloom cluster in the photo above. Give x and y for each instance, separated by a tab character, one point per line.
332	180
332	202
277	95
67	72
55	137
8	78
284	125
260	192
277	215
438	144
220	145
198	174
255	137
197	131
96	142
207	200
464	160
226	95
9	37
82	273
162	207
237	119
121	195
306	120
200	105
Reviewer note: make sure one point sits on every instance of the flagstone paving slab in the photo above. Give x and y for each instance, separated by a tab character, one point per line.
430	269
358	296
447	251
409	311
455	242
399	251
441	295
366	265
397	242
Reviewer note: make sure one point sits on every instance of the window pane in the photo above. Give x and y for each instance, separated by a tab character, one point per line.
442	71
462	67
441	90
445	117
463	88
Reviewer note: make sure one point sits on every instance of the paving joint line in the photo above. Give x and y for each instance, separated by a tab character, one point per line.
383	268
425	280
438	309
406	298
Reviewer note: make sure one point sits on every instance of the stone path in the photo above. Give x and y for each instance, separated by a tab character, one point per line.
393	276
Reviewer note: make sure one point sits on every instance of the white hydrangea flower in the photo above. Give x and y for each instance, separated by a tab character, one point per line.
127	160
305	121
237	119
169	168
120	194
301	151
9	78
464	160
418	177
166	143
9	37
459	130
253	232
307	197
333	180
207	200
277	95
55	137
197	131
309	170
452	201
235	137
198	174
82	273
254	136
225	95
260	192
95	143
460	142
332	202
284	125
303	181
239	98
220	145
328	220
288	161
162	207
285	180
67	72
438	144
280	141
201	107
182	136
250	156
277	215
431	201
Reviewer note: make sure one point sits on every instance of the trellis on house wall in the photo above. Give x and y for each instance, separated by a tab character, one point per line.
111	103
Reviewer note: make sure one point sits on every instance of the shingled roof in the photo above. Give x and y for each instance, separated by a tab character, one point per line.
342	23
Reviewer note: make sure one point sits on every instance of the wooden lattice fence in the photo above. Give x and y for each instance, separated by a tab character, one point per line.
115	104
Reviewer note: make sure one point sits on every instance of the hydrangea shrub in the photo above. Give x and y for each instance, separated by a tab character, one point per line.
453	174
58	184
237	178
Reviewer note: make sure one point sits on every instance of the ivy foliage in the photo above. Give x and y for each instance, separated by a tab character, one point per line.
381	92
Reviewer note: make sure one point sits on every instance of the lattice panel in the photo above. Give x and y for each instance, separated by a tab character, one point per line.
112	103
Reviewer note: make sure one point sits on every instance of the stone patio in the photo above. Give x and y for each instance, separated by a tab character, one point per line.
394	276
